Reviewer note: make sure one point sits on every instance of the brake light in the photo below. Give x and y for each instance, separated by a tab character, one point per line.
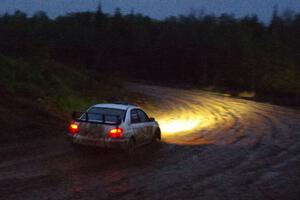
73	128
115	133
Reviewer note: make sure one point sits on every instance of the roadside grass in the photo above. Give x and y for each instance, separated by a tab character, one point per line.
58	88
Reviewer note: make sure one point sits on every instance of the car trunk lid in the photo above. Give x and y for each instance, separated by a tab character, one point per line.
94	130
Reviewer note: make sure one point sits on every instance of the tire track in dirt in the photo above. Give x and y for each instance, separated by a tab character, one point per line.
214	147
257	130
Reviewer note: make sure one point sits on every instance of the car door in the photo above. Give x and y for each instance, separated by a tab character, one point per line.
146	124
136	126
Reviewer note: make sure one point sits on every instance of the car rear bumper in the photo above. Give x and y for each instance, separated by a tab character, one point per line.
99	142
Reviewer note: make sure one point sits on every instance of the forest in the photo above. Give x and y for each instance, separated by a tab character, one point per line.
202	50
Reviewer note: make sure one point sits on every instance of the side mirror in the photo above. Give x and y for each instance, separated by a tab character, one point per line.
151	119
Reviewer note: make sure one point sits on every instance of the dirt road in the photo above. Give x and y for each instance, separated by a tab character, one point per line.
214	147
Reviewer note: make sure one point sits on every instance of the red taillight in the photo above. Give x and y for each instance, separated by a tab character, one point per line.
115	133
73	128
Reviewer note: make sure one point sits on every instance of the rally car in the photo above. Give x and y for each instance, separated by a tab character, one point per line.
116	125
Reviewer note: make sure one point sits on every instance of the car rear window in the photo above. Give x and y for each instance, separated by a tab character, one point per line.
96	114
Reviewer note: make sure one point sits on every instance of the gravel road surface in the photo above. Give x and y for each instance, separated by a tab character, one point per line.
213	147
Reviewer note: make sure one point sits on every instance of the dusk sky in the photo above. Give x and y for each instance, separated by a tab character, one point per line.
158	9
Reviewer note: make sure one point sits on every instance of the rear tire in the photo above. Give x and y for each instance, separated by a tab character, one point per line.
77	148
131	146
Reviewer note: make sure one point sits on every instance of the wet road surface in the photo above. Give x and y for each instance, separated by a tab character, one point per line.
214	147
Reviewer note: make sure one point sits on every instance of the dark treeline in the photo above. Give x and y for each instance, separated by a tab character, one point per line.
202	50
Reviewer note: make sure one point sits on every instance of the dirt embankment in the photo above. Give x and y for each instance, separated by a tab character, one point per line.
23	120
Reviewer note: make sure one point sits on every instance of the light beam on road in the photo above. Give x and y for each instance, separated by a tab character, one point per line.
170	127
193	117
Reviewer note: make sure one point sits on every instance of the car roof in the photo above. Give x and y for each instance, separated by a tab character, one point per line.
115	106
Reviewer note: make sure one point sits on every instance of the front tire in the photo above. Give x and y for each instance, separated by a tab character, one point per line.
157	136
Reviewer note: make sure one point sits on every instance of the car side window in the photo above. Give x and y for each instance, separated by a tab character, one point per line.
142	115
134	117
